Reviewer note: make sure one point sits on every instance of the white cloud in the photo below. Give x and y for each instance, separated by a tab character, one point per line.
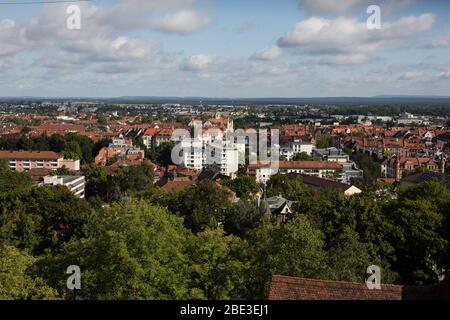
182	22
349	6
12	38
411	75
439	43
171	16
343	59
445	74
348	36
271	53
198	62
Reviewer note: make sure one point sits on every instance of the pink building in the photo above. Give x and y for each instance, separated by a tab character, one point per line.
26	160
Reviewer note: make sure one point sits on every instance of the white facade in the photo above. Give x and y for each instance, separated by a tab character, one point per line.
300	146
225	155
192	154
196	154
76	184
320	169
262	175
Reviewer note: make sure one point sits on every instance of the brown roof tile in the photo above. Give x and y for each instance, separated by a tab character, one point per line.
29	155
293	288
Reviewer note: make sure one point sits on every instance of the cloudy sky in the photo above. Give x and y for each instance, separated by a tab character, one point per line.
225	48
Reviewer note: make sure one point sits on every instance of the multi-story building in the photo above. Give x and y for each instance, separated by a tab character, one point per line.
395	167
296	146
349	168
191	154
119	148
224	155
27	160
299	146
220	155
322	169
76	184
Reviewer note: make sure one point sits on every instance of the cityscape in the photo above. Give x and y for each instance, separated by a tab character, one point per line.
317	168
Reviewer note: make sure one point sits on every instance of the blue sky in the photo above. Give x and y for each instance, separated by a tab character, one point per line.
218	48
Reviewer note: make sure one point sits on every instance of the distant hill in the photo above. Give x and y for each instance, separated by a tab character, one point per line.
384	100
410	97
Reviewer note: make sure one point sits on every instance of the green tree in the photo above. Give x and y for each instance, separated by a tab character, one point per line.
218	266
244	186
243	216
303	156
11	181
134	180
349	258
420	241
72	150
16	283
96	181
132	251
163	154
56	143
41	218
63	171
202	205
294	249
324	141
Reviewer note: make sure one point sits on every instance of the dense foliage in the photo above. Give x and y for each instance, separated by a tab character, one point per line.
71	146
133	241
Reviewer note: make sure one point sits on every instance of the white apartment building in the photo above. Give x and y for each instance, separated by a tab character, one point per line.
225	155
76	184
321	169
299	146
195	154
296	146
191	154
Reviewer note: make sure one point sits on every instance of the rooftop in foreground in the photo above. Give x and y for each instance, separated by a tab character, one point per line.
293	288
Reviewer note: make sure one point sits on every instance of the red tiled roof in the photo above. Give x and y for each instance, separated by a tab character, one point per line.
180	183
29	155
293	288
151	131
165	132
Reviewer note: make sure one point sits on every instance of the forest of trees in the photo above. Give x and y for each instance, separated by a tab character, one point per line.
141	243
71	146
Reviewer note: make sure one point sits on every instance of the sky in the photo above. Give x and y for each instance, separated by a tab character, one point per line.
225	48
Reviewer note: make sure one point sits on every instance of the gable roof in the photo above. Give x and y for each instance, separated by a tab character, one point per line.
324	183
29	155
293	288
277	204
179	183
212	175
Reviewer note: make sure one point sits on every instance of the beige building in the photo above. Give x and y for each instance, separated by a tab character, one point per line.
27	160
